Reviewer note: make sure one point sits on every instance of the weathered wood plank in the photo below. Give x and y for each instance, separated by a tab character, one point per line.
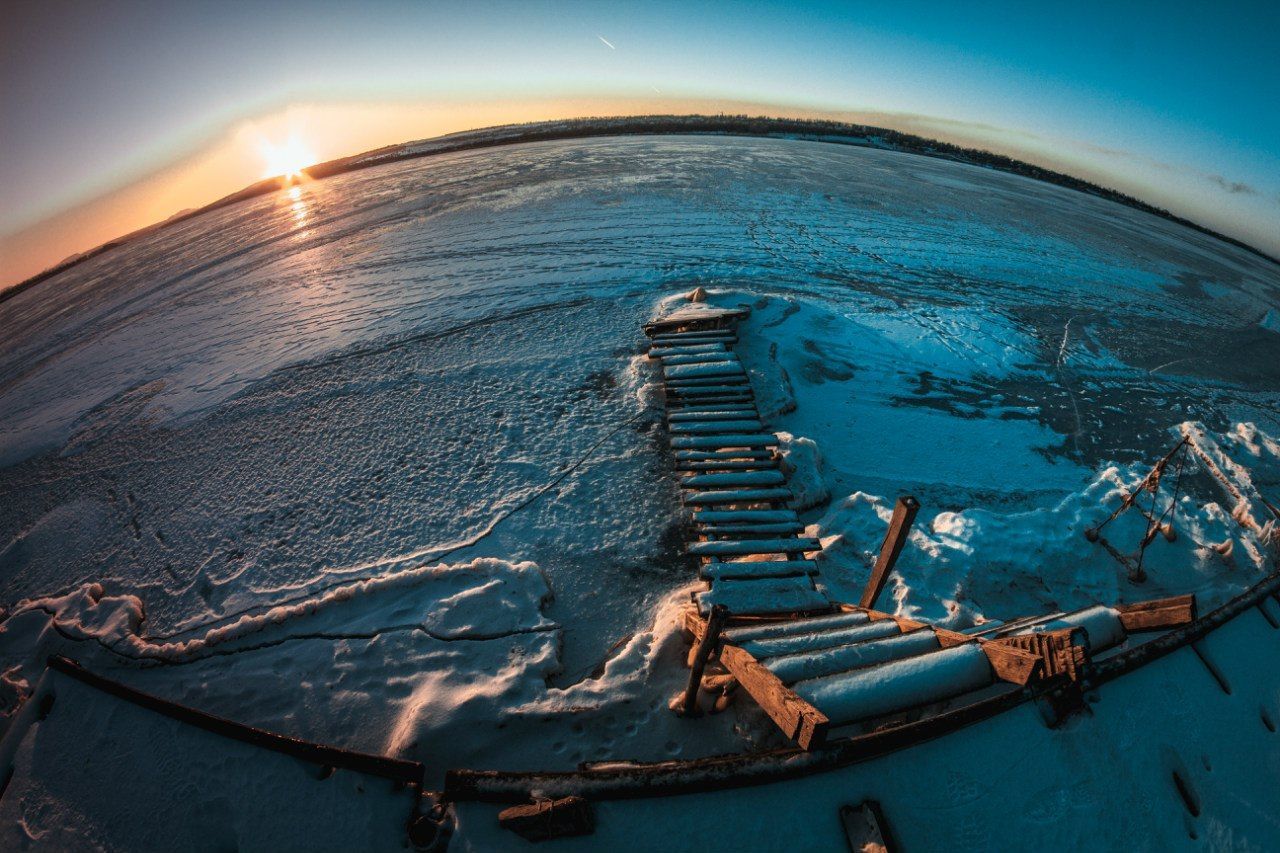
723	454
736	496
770	528
742	547
722	479
694	391
716	426
721	414
734	570
691	371
547	819
904	513
764	596
738	516
696	383
726	465
703	358
686	349
797	719
725	440
1158	614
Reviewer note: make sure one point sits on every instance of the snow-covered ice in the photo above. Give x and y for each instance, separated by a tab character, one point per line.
373	461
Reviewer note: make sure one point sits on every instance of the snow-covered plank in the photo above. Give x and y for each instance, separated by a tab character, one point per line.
684	455
828	638
714	415
741	547
708	442
701	358
735	570
898	685
686	349
701	333
717	426
795	626
742	397
709	386
726	465
738	516
830	661
720	479
734	496
771	528
702	382
764	596
694	340
689	371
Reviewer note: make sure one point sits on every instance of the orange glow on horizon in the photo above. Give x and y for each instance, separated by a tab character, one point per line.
286	159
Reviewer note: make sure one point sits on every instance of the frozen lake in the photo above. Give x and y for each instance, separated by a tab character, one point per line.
433	362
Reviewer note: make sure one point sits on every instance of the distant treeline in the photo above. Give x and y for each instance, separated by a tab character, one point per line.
817	130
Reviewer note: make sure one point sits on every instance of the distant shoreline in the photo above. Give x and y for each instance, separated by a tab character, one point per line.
840	133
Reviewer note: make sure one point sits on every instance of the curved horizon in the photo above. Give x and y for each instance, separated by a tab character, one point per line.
113	120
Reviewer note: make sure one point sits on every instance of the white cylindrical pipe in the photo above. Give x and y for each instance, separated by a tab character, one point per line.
897	686
1101	625
820	639
871	653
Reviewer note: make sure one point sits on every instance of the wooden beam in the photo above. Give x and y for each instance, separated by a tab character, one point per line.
797	719
1010	664
904	513
1158	613
706	645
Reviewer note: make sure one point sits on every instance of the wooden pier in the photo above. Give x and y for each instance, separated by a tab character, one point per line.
765	624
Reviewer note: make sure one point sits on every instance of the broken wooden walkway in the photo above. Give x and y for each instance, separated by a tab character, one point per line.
767	624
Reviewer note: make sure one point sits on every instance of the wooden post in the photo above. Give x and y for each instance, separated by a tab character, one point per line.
904	513
711	636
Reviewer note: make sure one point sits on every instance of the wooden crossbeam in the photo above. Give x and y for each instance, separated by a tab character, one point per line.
1158	613
797	719
904	513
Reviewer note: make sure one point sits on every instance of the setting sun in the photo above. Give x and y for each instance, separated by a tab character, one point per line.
286	159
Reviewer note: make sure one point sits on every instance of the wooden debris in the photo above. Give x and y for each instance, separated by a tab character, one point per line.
1062	652
549	819
904	513
865	828
1158	614
707	645
797	719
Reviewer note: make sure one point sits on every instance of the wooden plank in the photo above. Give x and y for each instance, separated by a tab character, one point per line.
1158	614
701	358
764	596
735	570
707	385
684	455
702	333
773	528
716	426
706	645
726	465
686	349
743	396
548	819
715	442
797	719
736	496
1010	664
723	479
720	414
790	627
730	516
742	547
691	371
904	512
696	383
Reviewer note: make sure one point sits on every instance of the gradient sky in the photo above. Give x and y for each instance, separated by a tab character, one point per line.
114	115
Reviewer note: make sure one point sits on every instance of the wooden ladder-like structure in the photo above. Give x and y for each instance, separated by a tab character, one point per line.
809	662
746	539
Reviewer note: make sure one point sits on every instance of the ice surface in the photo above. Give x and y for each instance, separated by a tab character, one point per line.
440	361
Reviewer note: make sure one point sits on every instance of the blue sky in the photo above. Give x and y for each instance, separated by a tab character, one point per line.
1176	103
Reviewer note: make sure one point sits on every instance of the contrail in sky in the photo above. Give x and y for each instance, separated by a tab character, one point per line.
607	43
